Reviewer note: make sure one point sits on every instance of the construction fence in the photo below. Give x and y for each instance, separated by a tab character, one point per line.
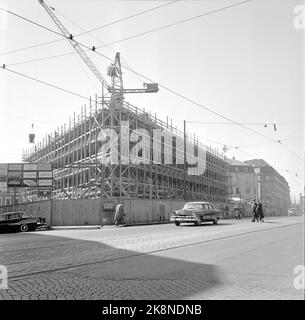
76	212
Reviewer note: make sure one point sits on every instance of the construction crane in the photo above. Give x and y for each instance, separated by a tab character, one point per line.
116	88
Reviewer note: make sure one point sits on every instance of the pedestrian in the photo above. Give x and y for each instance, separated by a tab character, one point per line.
260	211
119	214
254	211
227	211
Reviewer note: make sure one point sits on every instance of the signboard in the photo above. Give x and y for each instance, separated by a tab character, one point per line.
29	183
30	167
14	182
45	182
45	174
14	174
44	167
14	167
26	174
32	175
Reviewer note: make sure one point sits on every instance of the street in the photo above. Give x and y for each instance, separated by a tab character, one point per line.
235	259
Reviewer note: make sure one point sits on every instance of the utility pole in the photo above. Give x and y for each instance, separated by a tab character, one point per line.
184	156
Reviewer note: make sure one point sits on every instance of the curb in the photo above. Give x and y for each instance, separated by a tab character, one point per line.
75	227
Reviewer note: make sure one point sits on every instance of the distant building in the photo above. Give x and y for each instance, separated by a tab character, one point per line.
273	189
243	180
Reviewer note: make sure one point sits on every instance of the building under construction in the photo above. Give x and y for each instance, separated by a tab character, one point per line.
75	150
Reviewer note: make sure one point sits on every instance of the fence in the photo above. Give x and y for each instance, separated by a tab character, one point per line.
98	211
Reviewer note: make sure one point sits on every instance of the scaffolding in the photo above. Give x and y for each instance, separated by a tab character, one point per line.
75	151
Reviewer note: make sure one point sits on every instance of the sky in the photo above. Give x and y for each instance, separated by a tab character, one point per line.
245	63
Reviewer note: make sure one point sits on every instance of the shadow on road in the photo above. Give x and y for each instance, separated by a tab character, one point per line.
191	225
54	266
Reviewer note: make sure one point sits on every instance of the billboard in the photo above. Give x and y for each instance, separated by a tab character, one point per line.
25	175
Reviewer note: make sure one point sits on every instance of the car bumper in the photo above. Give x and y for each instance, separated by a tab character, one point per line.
192	218
184	219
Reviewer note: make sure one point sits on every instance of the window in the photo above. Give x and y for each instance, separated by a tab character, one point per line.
237	190
192	205
7	201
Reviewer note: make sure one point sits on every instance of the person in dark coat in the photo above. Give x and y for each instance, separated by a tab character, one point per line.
254	211
260	211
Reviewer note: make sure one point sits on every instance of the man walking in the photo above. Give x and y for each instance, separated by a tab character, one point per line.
119	214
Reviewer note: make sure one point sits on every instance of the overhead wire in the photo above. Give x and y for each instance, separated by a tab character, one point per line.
89	31
160	85
138	34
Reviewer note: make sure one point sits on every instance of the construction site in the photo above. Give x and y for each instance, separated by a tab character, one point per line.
75	149
74	152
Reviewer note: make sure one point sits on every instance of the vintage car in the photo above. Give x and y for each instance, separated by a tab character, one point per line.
20	221
196	212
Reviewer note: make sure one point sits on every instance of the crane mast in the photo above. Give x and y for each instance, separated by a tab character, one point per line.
114	70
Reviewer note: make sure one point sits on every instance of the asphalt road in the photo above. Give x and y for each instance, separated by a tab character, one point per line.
231	260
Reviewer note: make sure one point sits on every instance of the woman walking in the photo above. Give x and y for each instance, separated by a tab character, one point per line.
254	211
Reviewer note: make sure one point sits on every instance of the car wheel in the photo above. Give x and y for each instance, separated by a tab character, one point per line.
198	223
177	223
24	228
215	221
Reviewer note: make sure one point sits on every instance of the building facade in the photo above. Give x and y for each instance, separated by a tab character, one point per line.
243	181
273	189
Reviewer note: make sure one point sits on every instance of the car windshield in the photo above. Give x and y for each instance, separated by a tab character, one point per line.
192	205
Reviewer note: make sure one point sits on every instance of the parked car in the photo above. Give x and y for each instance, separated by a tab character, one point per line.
20	221
292	212
196	212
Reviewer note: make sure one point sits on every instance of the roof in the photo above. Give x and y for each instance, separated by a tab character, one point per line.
257	163
234	162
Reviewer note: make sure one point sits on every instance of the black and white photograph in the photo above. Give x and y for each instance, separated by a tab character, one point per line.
151	151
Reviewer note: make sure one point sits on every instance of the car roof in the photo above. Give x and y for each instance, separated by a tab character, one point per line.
11	212
199	202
